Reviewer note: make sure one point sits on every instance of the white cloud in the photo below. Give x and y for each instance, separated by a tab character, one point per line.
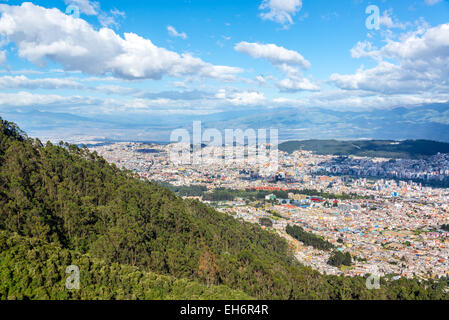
118	13
92	8
107	21
359	100
2	56
27	99
287	61
263	80
172	31
385	78
280	11
241	98
365	49
22	82
275	54
180	84
390	21
418	62
294	84
41	34
114	89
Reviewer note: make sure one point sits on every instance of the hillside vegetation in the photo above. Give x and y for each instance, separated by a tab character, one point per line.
132	239
409	149
31	269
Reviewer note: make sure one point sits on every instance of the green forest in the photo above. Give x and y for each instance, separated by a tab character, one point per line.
62	205
337	259
309	239
409	149
223	194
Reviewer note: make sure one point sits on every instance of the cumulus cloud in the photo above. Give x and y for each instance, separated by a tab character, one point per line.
390	21
386	78
365	49
280	11
419	61
275	54
287	61
42	34
296	84
92	8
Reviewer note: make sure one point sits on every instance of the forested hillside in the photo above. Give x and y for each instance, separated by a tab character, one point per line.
62	205
409	149
32	269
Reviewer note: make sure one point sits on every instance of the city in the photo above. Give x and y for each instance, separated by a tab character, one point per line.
268	152
391	227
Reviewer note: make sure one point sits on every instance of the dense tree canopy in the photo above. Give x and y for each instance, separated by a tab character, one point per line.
31	269
338	259
309	239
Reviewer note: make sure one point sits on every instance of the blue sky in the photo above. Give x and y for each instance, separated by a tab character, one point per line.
196	57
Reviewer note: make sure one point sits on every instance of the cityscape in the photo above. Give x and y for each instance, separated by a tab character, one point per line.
224	159
394	226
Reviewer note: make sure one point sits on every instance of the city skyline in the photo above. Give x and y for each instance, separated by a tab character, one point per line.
264	150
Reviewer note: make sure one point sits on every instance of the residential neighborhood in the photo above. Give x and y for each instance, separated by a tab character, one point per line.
371	208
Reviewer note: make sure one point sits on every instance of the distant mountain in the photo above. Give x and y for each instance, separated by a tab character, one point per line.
424	122
409	149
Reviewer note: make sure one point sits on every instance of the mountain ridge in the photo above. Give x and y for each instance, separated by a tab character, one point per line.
408	149
426	121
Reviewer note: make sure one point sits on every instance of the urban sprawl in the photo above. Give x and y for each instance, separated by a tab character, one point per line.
374	209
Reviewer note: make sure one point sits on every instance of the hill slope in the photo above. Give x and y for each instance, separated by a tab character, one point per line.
66	200
409	149
30	269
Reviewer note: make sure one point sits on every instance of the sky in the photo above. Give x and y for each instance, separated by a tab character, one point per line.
156	58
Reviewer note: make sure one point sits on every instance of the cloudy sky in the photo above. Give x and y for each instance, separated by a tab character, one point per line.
197	57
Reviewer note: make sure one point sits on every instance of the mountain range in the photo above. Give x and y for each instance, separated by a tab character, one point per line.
428	122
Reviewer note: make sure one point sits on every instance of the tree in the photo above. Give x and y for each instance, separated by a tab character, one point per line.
266	222
337	259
